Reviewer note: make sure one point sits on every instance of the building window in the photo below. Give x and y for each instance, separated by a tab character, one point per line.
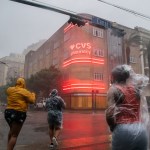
98	32
41	64
66	76
55	61
67	36
41	56
48	51
133	59
56	45
99	52
98	76
66	55
146	61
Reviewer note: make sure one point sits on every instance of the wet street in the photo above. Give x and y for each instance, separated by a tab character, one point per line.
81	131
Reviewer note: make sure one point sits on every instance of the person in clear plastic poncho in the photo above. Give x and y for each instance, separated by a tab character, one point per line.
55	104
127	112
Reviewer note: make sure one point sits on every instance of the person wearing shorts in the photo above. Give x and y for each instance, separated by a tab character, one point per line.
18	98
54	105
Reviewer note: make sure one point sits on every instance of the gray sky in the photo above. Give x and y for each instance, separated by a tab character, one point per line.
22	25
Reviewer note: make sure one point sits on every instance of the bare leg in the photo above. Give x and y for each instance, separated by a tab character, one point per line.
9	136
13	134
51	133
57	132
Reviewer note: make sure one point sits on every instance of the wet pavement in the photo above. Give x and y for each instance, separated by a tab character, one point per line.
82	130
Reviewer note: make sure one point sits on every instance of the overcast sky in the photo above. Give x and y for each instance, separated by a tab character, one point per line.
21	25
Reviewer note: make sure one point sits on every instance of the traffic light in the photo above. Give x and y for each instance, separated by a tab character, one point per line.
76	21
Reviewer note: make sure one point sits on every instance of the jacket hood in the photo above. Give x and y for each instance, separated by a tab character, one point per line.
20	83
53	93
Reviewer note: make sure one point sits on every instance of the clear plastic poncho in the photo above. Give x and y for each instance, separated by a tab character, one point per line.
127	113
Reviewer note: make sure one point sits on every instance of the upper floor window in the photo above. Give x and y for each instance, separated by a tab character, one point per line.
47	51
99	52
146	60
65	76
55	52
66	55
133	59
40	55
55	61
56	45
66	36
98	32
98	76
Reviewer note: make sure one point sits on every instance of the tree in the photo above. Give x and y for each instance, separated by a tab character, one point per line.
44	81
3	96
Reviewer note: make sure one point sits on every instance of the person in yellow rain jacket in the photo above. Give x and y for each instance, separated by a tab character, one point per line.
18	98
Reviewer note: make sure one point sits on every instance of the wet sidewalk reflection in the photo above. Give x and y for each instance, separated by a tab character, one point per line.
82	130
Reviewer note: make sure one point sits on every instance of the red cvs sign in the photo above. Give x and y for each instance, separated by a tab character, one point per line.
81	48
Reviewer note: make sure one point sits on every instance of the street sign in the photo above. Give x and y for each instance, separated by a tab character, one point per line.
101	22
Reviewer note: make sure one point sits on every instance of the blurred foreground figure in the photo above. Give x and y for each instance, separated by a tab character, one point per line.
18	99
127	114
54	105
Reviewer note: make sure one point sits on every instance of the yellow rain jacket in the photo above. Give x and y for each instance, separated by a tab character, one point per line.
18	97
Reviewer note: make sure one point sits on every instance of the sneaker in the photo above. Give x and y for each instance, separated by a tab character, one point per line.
55	141
51	146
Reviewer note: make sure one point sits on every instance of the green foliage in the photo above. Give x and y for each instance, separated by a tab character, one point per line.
41	83
12	81
3	96
44	81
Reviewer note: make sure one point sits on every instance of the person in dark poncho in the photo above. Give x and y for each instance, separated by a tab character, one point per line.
55	104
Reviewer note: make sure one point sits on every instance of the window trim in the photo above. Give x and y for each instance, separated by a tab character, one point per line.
99	76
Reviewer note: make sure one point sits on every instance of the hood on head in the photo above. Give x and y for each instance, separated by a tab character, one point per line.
54	92
20	83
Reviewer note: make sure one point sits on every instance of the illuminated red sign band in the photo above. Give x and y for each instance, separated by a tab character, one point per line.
84	86
68	27
81	52
83	60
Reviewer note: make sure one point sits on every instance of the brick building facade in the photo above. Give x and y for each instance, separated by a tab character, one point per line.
86	56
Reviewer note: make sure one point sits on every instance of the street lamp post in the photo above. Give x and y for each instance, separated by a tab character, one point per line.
142	49
3	71
94	92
